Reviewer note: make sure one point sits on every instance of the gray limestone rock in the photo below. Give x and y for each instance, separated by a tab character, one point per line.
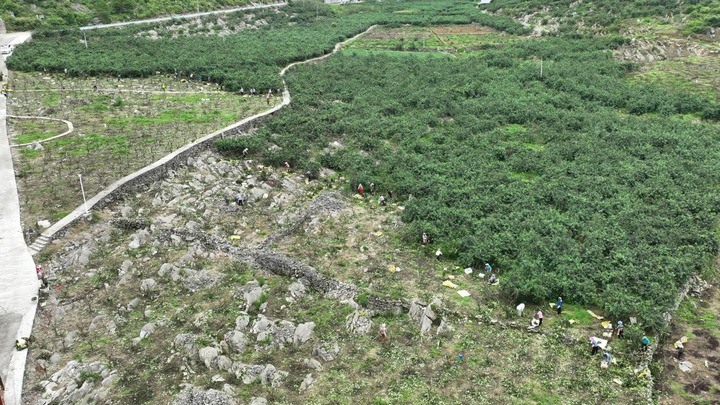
208	355
242	322
236	341
327	351
148	285
303	333
197	396
306	383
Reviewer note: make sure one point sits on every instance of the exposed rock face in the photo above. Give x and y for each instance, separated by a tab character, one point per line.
78	383
236	341
267	374
185	344
307	383
303	333
327	351
425	314
148	285
359	322
197	396
208	355
285	266
200	280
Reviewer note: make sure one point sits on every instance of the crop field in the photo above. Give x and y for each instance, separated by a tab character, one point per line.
458	38
119	128
356	242
573	145
511	119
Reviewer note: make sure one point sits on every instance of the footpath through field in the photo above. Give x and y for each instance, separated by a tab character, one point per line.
18	282
183	16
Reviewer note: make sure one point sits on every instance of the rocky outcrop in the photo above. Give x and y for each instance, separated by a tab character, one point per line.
198	396
78	383
425	314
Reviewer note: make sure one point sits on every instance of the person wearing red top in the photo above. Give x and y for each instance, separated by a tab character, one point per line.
360	189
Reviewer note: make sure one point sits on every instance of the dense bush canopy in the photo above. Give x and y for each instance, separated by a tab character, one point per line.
563	180
247	59
574	182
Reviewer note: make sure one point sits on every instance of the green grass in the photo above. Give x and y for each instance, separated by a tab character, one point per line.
697	316
579	314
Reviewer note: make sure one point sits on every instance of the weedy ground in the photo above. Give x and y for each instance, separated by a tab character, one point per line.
502	362
120	126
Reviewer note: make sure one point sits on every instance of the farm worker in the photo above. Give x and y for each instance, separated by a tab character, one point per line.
425	239
267	99
595	345
559	305
242	91
383	332
287	165
360	189
164	87
39	272
644	343
460	357
372	188
493	279
539	316
520	309
245	151
438	254
607	357
240	199
620	329
279	93
488	268
680	349
381	200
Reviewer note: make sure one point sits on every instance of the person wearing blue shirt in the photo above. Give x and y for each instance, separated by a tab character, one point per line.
488	268
559	305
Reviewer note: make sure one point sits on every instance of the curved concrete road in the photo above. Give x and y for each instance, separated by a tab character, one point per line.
18	282
182	16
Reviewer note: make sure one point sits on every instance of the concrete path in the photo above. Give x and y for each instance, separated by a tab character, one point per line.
70	129
18	282
182	16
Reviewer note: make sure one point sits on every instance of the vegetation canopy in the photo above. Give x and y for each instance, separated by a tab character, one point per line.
539	155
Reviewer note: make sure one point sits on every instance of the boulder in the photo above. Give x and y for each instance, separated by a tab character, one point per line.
166	269
306	383
327	351
272	376
236	341
312	364
303	333
358	322
146	330
208	355
242	322
148	285
297	290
